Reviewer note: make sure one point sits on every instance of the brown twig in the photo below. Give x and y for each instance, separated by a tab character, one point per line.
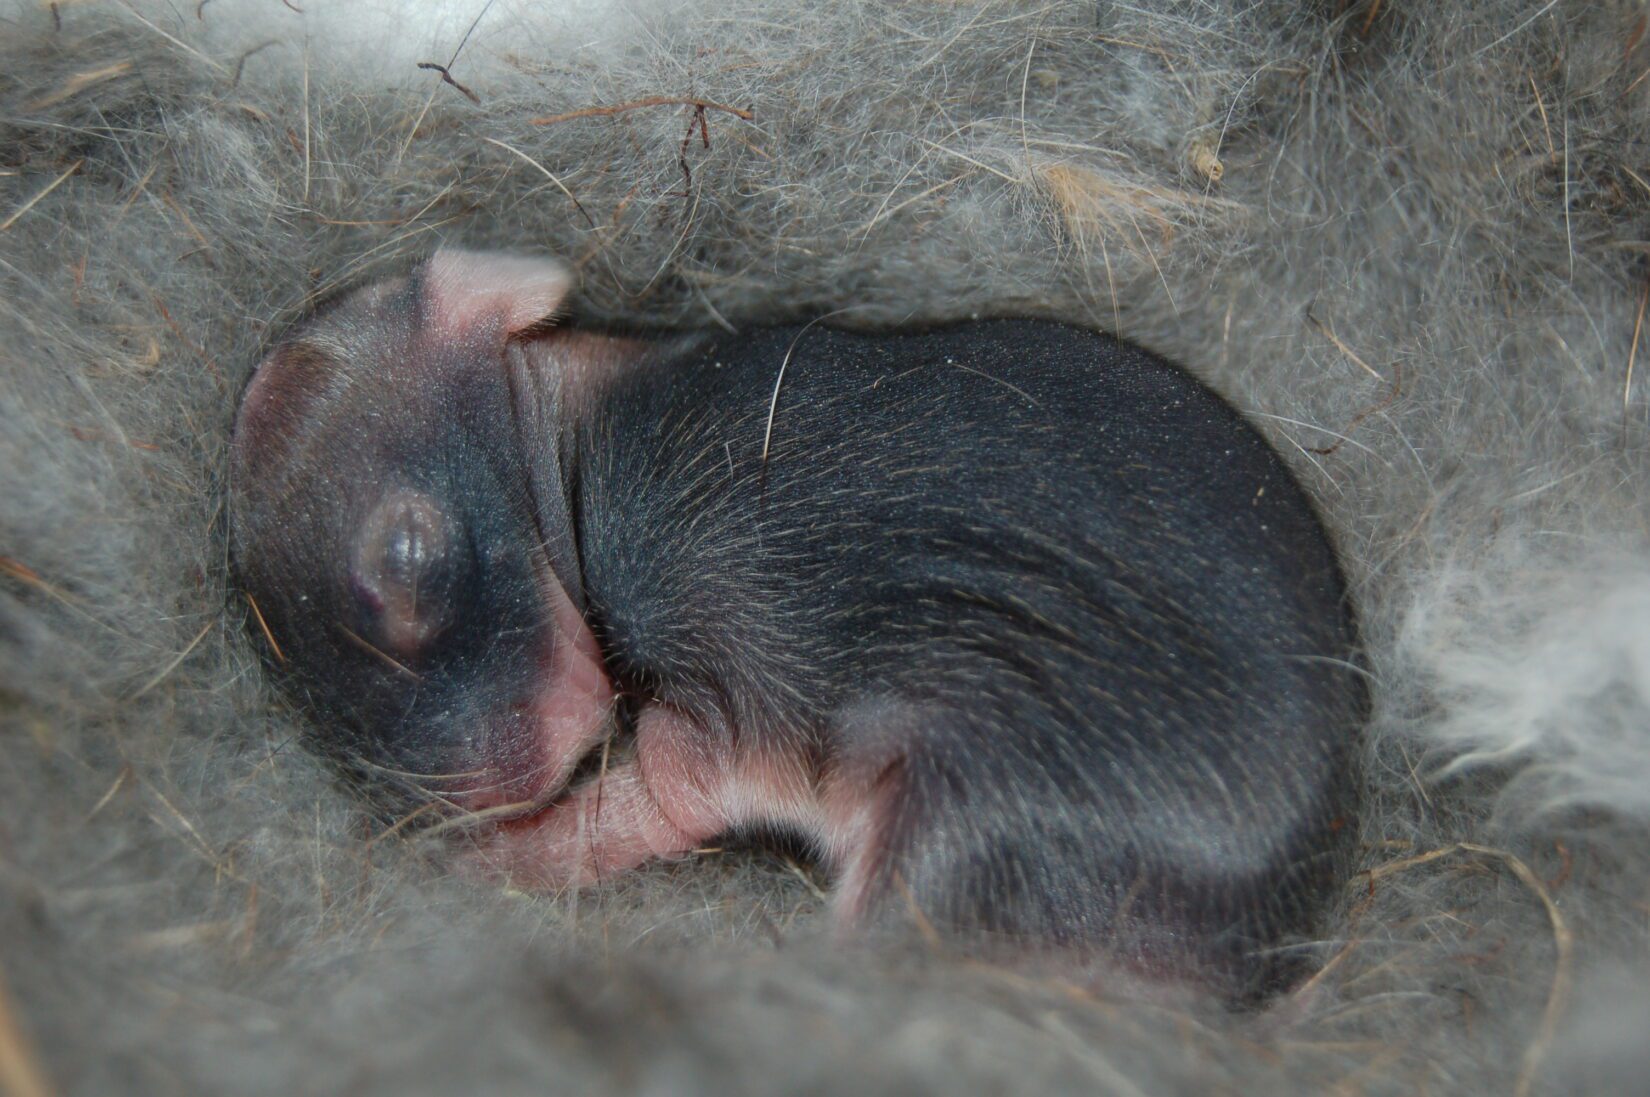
1329	333
103	801
371	649
177	330
1380	405
638	104
240	67
263	626
21	1074
447	78
177	660
697	122
1565	867
1558	993
1369	20
80	81
18	570
930	935
1353	941
30	204
548	174
1632	358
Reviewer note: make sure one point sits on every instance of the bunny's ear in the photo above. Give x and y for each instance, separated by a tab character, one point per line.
468	293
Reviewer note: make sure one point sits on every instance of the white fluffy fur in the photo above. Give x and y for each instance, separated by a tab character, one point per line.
1540	673
1408	237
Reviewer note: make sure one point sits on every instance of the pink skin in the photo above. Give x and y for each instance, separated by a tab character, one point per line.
474	290
678	790
675	795
572	716
653	805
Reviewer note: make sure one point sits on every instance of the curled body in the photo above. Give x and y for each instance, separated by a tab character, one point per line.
1022	628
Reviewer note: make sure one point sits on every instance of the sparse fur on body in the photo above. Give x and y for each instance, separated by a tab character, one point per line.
1027	635
1406	238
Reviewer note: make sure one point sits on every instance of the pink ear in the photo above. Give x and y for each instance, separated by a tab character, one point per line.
466	290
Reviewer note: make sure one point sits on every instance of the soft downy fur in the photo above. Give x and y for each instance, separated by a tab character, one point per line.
1407	237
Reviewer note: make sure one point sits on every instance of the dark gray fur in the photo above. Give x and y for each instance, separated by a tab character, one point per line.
1061	620
1062	594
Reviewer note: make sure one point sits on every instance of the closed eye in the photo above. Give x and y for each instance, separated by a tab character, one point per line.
409	565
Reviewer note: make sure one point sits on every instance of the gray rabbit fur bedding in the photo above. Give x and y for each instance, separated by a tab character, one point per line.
1407	238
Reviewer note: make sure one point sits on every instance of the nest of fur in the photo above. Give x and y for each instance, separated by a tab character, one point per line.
1407	237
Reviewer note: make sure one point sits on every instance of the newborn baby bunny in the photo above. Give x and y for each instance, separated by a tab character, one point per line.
1027	633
